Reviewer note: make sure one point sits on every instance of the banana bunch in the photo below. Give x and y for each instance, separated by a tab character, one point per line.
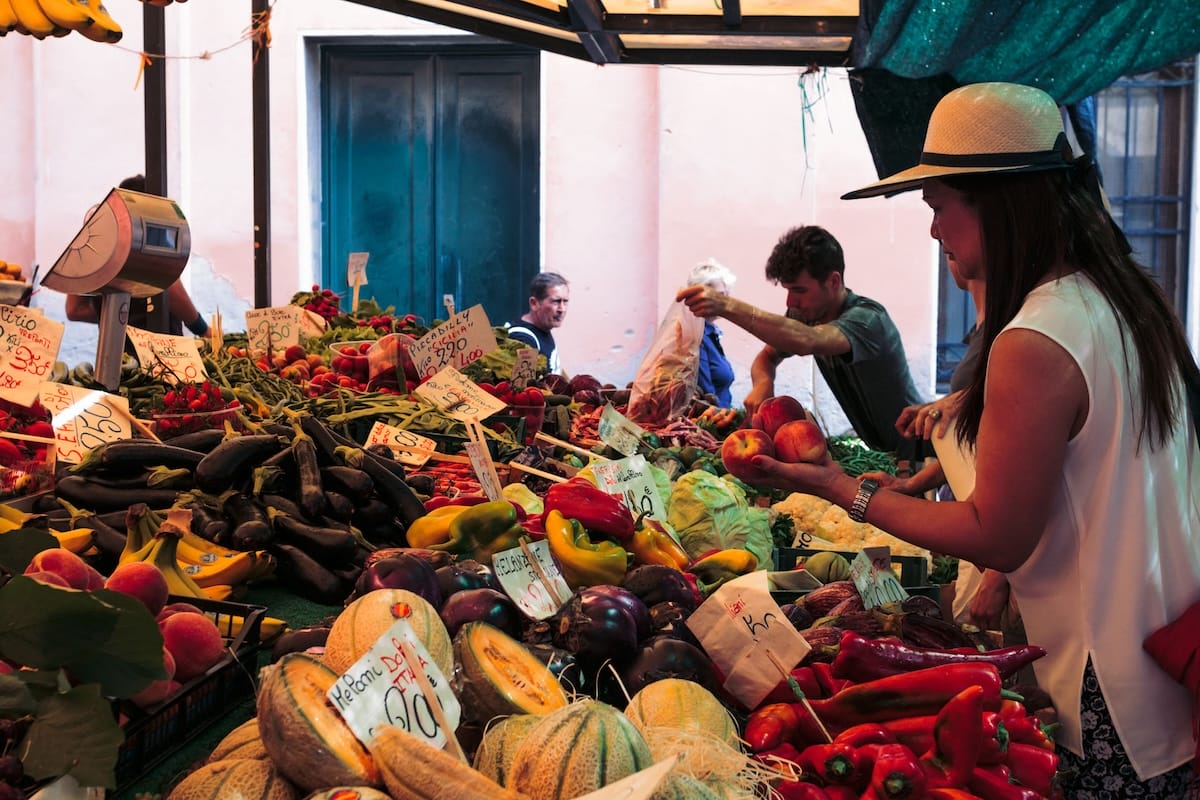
192	565
42	18
79	541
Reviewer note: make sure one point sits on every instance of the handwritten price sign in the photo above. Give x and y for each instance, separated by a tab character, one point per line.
747	635
83	418
175	358
29	344
356	269
273	330
521	582
871	571
382	687
409	448
460	340
525	368
629	479
458	396
618	431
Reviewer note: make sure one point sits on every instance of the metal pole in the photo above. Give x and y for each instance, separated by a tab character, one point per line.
261	134
154	95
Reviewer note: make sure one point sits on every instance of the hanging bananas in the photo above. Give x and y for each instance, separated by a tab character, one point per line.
42	18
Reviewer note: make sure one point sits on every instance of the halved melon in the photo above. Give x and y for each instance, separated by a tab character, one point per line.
498	676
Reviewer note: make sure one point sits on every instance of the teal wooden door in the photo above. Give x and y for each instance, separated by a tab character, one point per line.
431	165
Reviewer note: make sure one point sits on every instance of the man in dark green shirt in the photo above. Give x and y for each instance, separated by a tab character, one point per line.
853	339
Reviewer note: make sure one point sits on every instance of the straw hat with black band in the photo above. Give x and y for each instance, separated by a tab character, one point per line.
993	128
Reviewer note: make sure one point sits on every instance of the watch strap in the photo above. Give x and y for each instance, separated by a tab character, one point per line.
866	489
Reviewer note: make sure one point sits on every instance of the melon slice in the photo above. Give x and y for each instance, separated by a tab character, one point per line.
498	676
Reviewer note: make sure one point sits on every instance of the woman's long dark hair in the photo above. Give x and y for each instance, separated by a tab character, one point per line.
1035	221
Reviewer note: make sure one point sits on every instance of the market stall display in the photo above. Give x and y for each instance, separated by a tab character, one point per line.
271	474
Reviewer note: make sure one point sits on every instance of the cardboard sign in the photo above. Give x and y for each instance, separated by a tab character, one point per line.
618	431
175	358
871	571
29	343
409	448
458	396
356	269
485	471
312	324
638	786
462	339
525	368
630	479
382	688
747	635
273	330
84	418
522	583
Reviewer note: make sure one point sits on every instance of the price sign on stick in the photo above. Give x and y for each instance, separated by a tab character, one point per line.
871	571
448	302
84	418
385	687
525	368
29	343
618	431
638	786
481	461
356	275
175	358
530	577
273	330
312	324
747	635
457	342
409	448
458	396
630	479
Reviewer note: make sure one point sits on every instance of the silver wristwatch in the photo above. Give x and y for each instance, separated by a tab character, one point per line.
858	509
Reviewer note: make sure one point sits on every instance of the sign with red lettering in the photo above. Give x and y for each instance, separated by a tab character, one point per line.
29	343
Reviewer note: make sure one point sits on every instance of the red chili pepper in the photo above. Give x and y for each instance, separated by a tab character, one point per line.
995	739
990	784
863	659
833	763
601	513
957	740
800	790
771	726
829	684
1024	727
804	679
917	693
1033	767
896	775
438	501
867	733
948	793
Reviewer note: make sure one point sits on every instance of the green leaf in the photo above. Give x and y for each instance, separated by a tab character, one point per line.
15	698
17	548
74	734
47	627
131	658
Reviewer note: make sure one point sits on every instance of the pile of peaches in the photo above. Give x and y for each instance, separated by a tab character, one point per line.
779	428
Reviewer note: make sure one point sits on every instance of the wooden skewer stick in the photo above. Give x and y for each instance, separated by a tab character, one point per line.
787	676
568	446
138	425
542	577
434	706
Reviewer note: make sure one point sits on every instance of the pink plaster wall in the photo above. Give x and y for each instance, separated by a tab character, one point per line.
645	171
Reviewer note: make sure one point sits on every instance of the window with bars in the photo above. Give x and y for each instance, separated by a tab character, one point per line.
1144	130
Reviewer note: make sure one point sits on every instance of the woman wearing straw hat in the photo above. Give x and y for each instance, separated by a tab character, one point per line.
1087	470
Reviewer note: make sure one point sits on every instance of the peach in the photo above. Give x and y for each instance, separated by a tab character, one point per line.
742	445
175	608
142	580
800	440
64	563
96	579
194	642
160	689
49	578
774	412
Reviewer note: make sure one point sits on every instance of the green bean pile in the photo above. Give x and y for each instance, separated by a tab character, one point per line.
855	457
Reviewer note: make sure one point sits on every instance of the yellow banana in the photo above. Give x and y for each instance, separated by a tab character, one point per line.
8	17
104	28
70	14
163	556
221	591
78	541
33	20
268	627
233	571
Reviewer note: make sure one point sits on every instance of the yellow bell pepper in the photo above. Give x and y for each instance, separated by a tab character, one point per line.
434	527
584	562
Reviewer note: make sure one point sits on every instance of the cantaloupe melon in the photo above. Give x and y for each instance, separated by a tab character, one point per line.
362	622
576	750
234	778
241	742
414	770
495	754
498	676
677	786
349	793
307	739
681	704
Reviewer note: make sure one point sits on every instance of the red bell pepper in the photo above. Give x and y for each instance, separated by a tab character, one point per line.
833	764
1033	767
990	784
897	775
842	793
772	726
957	740
863	659
829	684
1024	727
602	514
917	693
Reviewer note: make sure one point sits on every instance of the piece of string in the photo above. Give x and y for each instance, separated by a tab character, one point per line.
258	31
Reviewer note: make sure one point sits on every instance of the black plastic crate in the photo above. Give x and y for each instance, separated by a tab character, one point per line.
914	570
153	734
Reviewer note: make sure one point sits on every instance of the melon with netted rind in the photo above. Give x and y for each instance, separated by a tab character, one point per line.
234	777
682	704
498	748
360	624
